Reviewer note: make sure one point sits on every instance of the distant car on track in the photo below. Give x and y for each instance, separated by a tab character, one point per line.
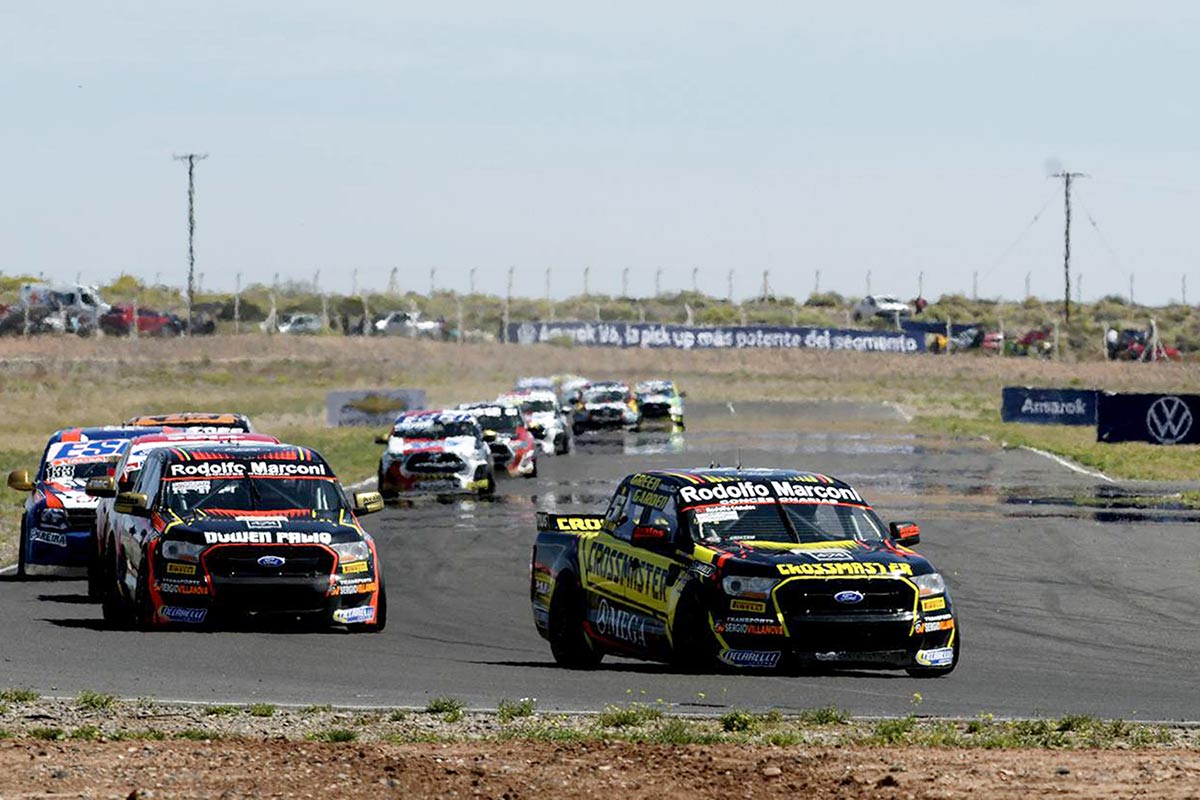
514	448
746	568
212	532
544	418
204	421
606	405
59	516
660	400
435	452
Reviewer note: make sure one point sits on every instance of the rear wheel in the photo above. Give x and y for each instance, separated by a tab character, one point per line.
387	494
143	607
937	672
112	603
569	643
489	488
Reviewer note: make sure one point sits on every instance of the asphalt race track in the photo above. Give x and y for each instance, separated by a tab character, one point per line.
1065	609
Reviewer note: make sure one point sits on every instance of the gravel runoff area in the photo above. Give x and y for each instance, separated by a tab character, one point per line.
96	746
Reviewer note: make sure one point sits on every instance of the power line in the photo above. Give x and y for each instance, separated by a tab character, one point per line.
1013	245
191	159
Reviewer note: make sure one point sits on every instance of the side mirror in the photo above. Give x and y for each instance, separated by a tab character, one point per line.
489	436
19	480
537	427
368	502
134	503
652	537
683	394
905	533
381	439
103	486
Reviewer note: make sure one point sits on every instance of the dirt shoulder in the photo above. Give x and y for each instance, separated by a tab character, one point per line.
522	769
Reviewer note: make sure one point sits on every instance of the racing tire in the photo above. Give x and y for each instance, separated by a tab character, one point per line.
562	445
95	577
23	545
386	494
112	603
142	613
578	429
533	472
569	643
694	647
380	616
937	672
489	490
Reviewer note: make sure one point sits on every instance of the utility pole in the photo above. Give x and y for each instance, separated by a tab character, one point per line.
587	273
508	304
316	281
625	282
1028	275
237	304
393	280
868	281
658	282
1183	290
548	308
191	159
695	284
975	285
766	284
1131	288
1067	179
817	283
729	283
921	284
353	283
432	280
471	281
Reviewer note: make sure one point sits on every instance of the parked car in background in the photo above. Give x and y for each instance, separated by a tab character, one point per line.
118	321
881	305
301	324
409	323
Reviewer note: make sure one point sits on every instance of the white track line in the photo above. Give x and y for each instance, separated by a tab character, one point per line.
11	569
897	408
364	483
1071	465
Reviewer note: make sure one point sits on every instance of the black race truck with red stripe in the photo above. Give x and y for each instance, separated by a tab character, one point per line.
754	569
215	531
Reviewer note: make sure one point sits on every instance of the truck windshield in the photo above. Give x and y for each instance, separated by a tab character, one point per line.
187	495
769	521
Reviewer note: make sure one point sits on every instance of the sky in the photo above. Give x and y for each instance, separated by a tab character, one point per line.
798	137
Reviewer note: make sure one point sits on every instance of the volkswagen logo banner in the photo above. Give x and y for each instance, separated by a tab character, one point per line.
1154	418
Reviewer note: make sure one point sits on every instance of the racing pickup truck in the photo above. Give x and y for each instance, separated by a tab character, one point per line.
752	569
606	405
660	400
435	452
209	532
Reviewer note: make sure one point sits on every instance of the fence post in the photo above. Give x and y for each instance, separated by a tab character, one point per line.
133	331
949	327
1057	352
459	309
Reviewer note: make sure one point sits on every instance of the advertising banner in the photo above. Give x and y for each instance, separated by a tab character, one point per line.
1048	406
1154	418
376	408
692	337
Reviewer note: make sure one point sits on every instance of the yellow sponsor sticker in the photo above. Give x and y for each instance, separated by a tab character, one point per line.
579	524
180	569
748	605
849	568
933	604
354	566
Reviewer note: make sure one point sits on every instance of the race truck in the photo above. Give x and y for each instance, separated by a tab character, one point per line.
660	400
58	520
128	465
202	421
751	569
514	448
606	405
210	533
543	417
435	452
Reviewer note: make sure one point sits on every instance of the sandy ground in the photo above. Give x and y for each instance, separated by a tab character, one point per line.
527	770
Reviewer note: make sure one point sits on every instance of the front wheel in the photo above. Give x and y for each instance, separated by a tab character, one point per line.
937	672
23	546
694	647
569	643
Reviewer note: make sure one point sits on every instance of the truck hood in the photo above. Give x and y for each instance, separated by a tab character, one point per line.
455	444
226	527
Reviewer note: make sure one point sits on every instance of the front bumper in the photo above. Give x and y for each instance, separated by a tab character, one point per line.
47	548
467	478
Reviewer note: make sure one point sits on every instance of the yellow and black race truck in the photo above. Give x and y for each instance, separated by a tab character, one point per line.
745	568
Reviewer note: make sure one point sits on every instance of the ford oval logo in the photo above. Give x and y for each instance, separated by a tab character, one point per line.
271	561
849	597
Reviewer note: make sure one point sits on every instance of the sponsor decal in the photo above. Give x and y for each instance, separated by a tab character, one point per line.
1168	420
849	597
763	659
239	469
938	657
543	586
641	580
753	606
179	587
717	515
750	627
850	568
703	570
271	561
933	604
349	616
579	524
806	491
355	587
616	623
193	616
933	626
174	568
354	566
97	448
263	537
743	490
48	537
652	499
826	555
258	523
648	482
